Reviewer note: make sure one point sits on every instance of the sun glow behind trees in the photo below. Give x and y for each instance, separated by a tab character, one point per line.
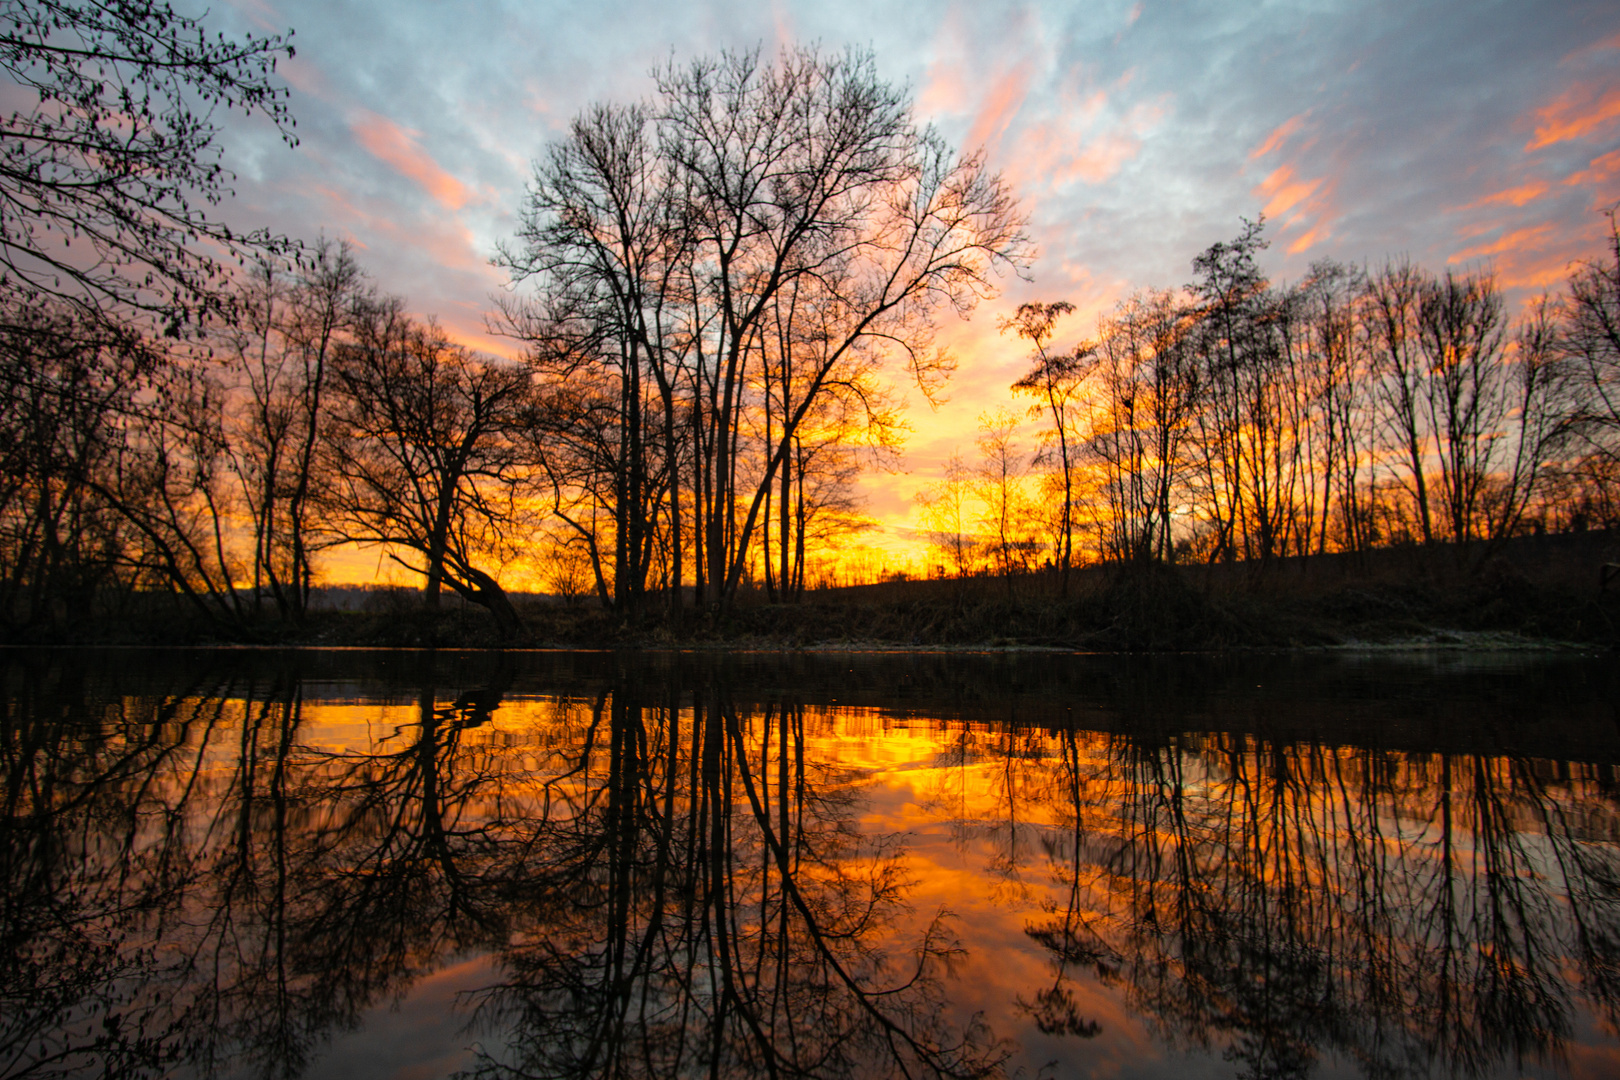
719	295
1236	420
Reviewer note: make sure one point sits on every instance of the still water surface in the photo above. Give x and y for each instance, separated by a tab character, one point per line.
356	864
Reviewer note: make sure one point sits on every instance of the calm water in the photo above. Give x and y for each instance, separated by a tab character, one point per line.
358	864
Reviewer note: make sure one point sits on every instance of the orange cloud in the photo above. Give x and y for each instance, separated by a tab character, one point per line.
1598	170
1530	237
1611	42
396	146
1000	108
1579	111
1306	202
1514	196
1320	231
1279	136
1284	191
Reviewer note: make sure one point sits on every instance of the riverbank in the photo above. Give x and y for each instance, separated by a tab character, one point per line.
1535	593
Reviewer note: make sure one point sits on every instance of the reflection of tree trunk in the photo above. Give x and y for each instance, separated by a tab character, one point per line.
1266	908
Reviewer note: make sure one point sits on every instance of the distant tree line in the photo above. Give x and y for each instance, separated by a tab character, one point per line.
1239	420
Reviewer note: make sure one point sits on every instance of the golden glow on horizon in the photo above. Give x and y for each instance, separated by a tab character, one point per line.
1088	135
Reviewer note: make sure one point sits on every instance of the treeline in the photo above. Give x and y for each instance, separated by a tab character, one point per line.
1236	419
713	295
322	414
708	289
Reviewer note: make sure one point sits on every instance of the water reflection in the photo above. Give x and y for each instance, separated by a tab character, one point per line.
1414	913
679	867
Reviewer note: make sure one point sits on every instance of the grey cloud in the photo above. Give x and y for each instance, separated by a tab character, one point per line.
1411	115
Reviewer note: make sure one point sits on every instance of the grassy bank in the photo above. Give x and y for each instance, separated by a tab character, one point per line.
1536	590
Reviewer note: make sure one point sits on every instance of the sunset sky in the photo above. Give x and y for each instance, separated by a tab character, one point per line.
1136	134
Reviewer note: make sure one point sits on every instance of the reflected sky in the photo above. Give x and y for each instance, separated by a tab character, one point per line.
368	864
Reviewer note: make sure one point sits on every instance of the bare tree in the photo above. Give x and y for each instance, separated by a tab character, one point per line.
425	455
1056	378
67	385
947	514
278	353
1231	292
108	165
169	479
1389	319
1591	336
998	479
1461	328
1147	392
1337	396
760	237
599	238
1540	403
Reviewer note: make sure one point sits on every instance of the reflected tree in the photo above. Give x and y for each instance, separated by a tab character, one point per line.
725	917
1408	912
196	878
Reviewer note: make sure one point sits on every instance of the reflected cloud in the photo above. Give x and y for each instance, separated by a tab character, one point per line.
730	865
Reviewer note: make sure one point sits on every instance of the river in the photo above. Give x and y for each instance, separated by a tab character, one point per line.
351	864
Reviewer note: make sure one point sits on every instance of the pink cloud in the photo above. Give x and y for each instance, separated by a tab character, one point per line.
1082	141
945	91
1101	158
998	111
782	24
442	243
396	146
303	76
1279	135
261	14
